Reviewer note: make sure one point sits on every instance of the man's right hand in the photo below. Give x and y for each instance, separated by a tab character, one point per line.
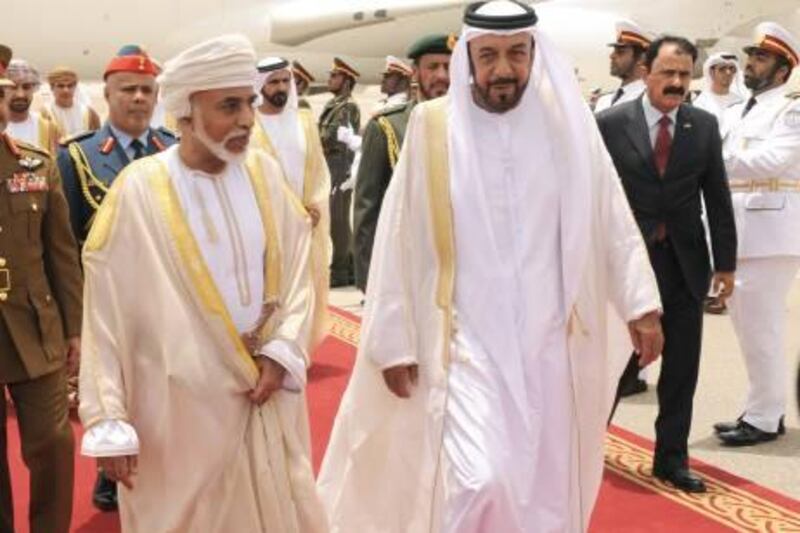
120	469
400	379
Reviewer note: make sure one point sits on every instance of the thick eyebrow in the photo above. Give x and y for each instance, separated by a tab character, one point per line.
231	100
485	49
519	46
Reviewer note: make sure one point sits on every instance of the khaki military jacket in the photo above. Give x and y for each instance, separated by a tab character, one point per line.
40	276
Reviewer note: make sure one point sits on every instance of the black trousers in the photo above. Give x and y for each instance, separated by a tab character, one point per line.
680	363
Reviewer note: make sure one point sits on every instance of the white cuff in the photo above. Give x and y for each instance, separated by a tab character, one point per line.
401	361
354	143
110	438
290	357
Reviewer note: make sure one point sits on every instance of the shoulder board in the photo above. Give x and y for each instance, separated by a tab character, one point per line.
391	110
77	137
27	147
166	132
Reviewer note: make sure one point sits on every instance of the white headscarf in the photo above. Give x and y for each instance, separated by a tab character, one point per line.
552	102
262	78
284	129
223	62
721	58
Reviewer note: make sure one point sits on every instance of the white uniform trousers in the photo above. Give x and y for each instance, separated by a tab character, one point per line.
758	311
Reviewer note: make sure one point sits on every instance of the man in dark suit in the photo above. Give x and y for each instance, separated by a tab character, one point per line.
89	162
667	154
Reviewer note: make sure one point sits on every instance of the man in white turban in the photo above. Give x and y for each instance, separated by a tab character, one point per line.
24	124
482	387
290	135
723	85
191	391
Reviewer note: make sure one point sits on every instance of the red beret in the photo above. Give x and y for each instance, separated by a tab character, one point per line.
131	58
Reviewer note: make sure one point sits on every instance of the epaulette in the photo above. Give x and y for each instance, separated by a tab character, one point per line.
391	110
27	147
166	132
77	137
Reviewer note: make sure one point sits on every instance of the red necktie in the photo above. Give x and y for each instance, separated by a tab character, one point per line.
663	144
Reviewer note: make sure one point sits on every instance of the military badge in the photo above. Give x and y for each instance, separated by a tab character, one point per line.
30	163
22	182
792	118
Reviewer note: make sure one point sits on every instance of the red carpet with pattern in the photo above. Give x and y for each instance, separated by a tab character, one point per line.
630	501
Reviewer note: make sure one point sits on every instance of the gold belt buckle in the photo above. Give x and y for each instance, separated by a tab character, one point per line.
5	280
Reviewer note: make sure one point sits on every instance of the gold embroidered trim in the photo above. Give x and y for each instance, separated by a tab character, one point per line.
191	258
441	212
392	146
272	264
103	219
85	176
724	503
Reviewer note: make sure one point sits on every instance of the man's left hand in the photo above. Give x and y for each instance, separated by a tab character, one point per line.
270	380
647	337
722	284
73	355
314	213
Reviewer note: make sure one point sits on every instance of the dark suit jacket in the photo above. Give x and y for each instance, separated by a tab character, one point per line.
695	167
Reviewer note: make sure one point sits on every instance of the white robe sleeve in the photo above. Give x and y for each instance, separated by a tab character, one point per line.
632	284
288	343
103	406
110	438
290	357
388	334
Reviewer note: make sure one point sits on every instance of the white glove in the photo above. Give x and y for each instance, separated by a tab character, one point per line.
348	184
346	135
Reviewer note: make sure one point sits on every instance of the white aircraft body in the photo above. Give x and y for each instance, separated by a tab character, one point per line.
84	34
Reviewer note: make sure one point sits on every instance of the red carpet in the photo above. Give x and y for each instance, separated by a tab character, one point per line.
630	501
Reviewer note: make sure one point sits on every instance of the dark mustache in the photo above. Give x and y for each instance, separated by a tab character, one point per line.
503	81
680	91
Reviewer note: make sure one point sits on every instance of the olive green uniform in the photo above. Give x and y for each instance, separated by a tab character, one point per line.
380	148
339	111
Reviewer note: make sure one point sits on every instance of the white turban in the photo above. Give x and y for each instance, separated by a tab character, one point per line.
223	62
725	58
20	71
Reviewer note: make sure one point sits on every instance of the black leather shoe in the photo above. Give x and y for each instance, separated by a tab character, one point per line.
724	427
681	478
104	495
636	386
746	435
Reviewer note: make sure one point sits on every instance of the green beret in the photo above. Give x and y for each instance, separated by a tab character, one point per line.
437	43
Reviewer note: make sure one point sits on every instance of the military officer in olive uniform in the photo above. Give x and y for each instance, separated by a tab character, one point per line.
40	323
338	129
383	138
89	162
302	80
